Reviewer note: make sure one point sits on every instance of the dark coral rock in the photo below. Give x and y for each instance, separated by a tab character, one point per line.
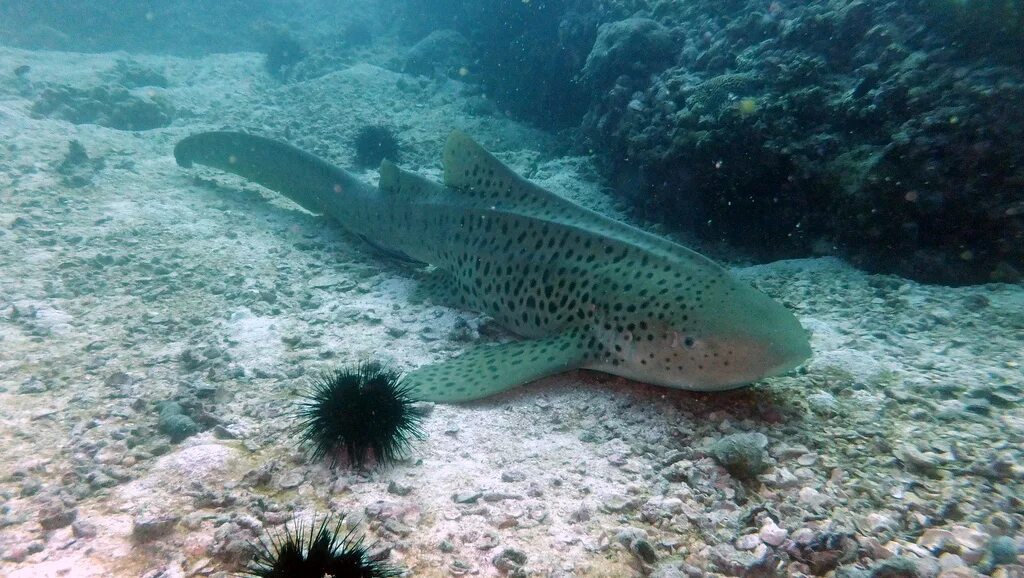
527	54
824	552
881	131
109	106
76	169
76	156
940	198
979	27
418	18
732	562
742	454
357	34
634	46
895	568
174	423
816	128
283	52
56	514
148	527
131	74
442	51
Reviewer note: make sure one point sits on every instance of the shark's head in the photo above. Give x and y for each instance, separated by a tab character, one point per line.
727	336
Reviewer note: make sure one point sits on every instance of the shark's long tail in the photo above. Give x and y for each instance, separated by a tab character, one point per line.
315	184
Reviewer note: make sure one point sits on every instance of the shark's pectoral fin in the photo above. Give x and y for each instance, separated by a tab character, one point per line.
487	370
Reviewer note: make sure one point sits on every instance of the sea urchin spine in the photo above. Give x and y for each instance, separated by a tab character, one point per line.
374	143
360	411
322	552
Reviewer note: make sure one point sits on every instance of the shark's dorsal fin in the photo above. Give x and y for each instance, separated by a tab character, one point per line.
467	165
470	168
489	184
398	181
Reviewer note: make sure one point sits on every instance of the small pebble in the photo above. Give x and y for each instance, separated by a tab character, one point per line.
32	385
897	567
174	423
509	560
823	402
743	454
948	560
748	542
969	538
56	515
291	479
915	460
1009	571
617	504
808	459
399	489
466	497
581	514
146	527
812	497
513	476
488	541
1002	550
935	539
30	487
772	534
643	550
222	433
961	572
83	529
499	497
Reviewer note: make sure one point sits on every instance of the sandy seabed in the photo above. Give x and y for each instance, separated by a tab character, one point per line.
126	281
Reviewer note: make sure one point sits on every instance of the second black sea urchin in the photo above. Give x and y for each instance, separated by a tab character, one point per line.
322	552
362	411
374	143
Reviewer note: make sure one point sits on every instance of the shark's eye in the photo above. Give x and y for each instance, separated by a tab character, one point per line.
689	342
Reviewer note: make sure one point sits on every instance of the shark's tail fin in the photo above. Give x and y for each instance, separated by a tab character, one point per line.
315	184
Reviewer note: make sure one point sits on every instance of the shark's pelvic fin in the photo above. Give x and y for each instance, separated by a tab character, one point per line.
491	369
398	181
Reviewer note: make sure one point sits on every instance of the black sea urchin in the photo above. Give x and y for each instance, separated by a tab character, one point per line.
363	410
374	143
320	553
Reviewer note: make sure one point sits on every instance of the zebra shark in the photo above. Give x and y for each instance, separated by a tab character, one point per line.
583	291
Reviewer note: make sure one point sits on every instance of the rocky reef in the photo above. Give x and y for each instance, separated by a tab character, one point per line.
110	106
875	130
844	128
526	55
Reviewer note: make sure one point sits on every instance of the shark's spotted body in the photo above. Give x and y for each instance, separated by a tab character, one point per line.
586	291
